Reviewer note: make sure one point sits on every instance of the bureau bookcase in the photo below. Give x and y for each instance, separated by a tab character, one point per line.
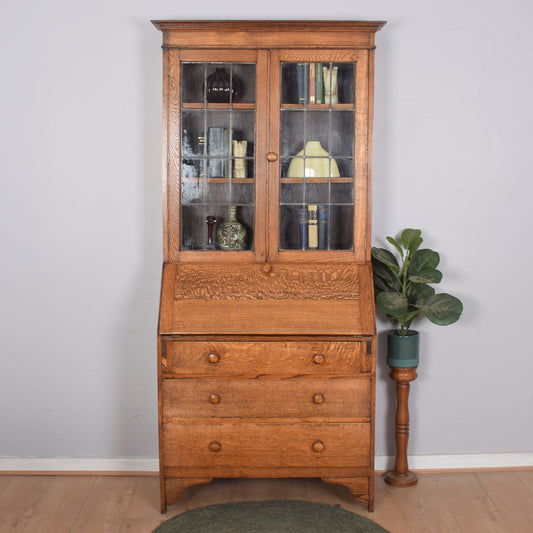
266	335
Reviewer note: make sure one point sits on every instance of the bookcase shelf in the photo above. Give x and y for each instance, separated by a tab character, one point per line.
216	105
324	107
221	181
317	180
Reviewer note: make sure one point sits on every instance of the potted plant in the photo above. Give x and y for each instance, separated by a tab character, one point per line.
404	293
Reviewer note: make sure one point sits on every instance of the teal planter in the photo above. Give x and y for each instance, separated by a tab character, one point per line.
403	352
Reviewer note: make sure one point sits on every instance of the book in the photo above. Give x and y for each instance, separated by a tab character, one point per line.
323	216
218	152
302	217
312	82
302	70
319	84
312	227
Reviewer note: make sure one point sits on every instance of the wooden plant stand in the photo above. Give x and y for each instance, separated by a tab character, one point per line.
401	476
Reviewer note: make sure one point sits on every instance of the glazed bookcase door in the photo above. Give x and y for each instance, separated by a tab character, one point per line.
216	139
319	113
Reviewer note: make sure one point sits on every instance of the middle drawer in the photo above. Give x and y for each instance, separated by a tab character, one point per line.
343	398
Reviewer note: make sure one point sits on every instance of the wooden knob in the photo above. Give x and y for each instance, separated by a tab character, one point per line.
318	446
215	446
272	156
318	359
213	358
318	398
214	399
267	267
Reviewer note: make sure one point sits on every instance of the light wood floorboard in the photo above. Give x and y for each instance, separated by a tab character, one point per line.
488	502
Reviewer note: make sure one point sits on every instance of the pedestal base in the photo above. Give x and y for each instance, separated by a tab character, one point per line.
400	480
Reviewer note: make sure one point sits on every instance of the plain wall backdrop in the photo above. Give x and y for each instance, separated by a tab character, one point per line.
81	223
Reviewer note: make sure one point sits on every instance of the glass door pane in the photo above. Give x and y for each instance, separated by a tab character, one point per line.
317	125
218	156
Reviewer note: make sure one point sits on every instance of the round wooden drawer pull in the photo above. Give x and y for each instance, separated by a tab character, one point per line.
272	156
318	359
215	446
214	399
318	398
318	446
213	358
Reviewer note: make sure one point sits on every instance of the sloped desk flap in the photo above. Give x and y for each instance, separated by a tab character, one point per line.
281	299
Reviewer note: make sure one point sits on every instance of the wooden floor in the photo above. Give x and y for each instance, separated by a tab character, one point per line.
486	502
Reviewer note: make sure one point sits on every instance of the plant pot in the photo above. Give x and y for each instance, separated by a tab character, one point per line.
403	351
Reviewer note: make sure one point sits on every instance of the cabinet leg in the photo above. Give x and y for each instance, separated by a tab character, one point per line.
173	489
362	489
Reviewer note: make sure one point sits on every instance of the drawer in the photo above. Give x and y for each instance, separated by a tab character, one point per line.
267	398
257	358
249	444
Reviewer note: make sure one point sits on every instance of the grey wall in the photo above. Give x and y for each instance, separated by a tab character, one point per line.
81	215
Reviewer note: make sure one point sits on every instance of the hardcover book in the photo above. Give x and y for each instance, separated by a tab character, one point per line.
319	84
312	227
302	215
323	216
303	78
218	151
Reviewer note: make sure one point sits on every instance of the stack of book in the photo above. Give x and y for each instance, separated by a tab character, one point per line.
313	223
311	88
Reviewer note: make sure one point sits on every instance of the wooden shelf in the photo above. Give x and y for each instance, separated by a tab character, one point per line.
317	180
211	105
323	107
221	180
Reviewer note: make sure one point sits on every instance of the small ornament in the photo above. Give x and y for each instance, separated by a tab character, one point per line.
239	163
221	87
232	234
211	221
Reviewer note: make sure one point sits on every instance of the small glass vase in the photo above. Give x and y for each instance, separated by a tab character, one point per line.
232	234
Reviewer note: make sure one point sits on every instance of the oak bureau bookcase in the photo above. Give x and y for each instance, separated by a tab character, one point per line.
266	336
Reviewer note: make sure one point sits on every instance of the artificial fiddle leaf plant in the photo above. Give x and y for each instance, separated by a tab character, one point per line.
402	288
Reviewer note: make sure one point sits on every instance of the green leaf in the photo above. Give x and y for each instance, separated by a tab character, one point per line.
387	258
396	245
411	239
422	267
442	309
392	303
416	292
426	276
384	278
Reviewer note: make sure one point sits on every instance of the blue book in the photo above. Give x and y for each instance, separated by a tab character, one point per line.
302	213
303	80
323	216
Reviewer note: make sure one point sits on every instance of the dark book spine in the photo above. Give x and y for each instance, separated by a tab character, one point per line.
303	79
302	215
319	84
215	149
323	216
312	227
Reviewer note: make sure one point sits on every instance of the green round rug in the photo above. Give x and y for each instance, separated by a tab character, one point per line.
284	516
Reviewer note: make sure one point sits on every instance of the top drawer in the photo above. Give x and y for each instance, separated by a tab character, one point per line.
258	358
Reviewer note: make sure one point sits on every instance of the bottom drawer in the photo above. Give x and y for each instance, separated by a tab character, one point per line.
248	444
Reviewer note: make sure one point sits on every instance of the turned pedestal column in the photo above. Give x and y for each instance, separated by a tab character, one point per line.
400	476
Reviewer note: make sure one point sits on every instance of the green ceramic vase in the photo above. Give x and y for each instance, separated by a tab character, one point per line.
403	351
232	234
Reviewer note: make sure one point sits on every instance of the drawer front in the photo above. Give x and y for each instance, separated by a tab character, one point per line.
249	444
257	358
337	398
